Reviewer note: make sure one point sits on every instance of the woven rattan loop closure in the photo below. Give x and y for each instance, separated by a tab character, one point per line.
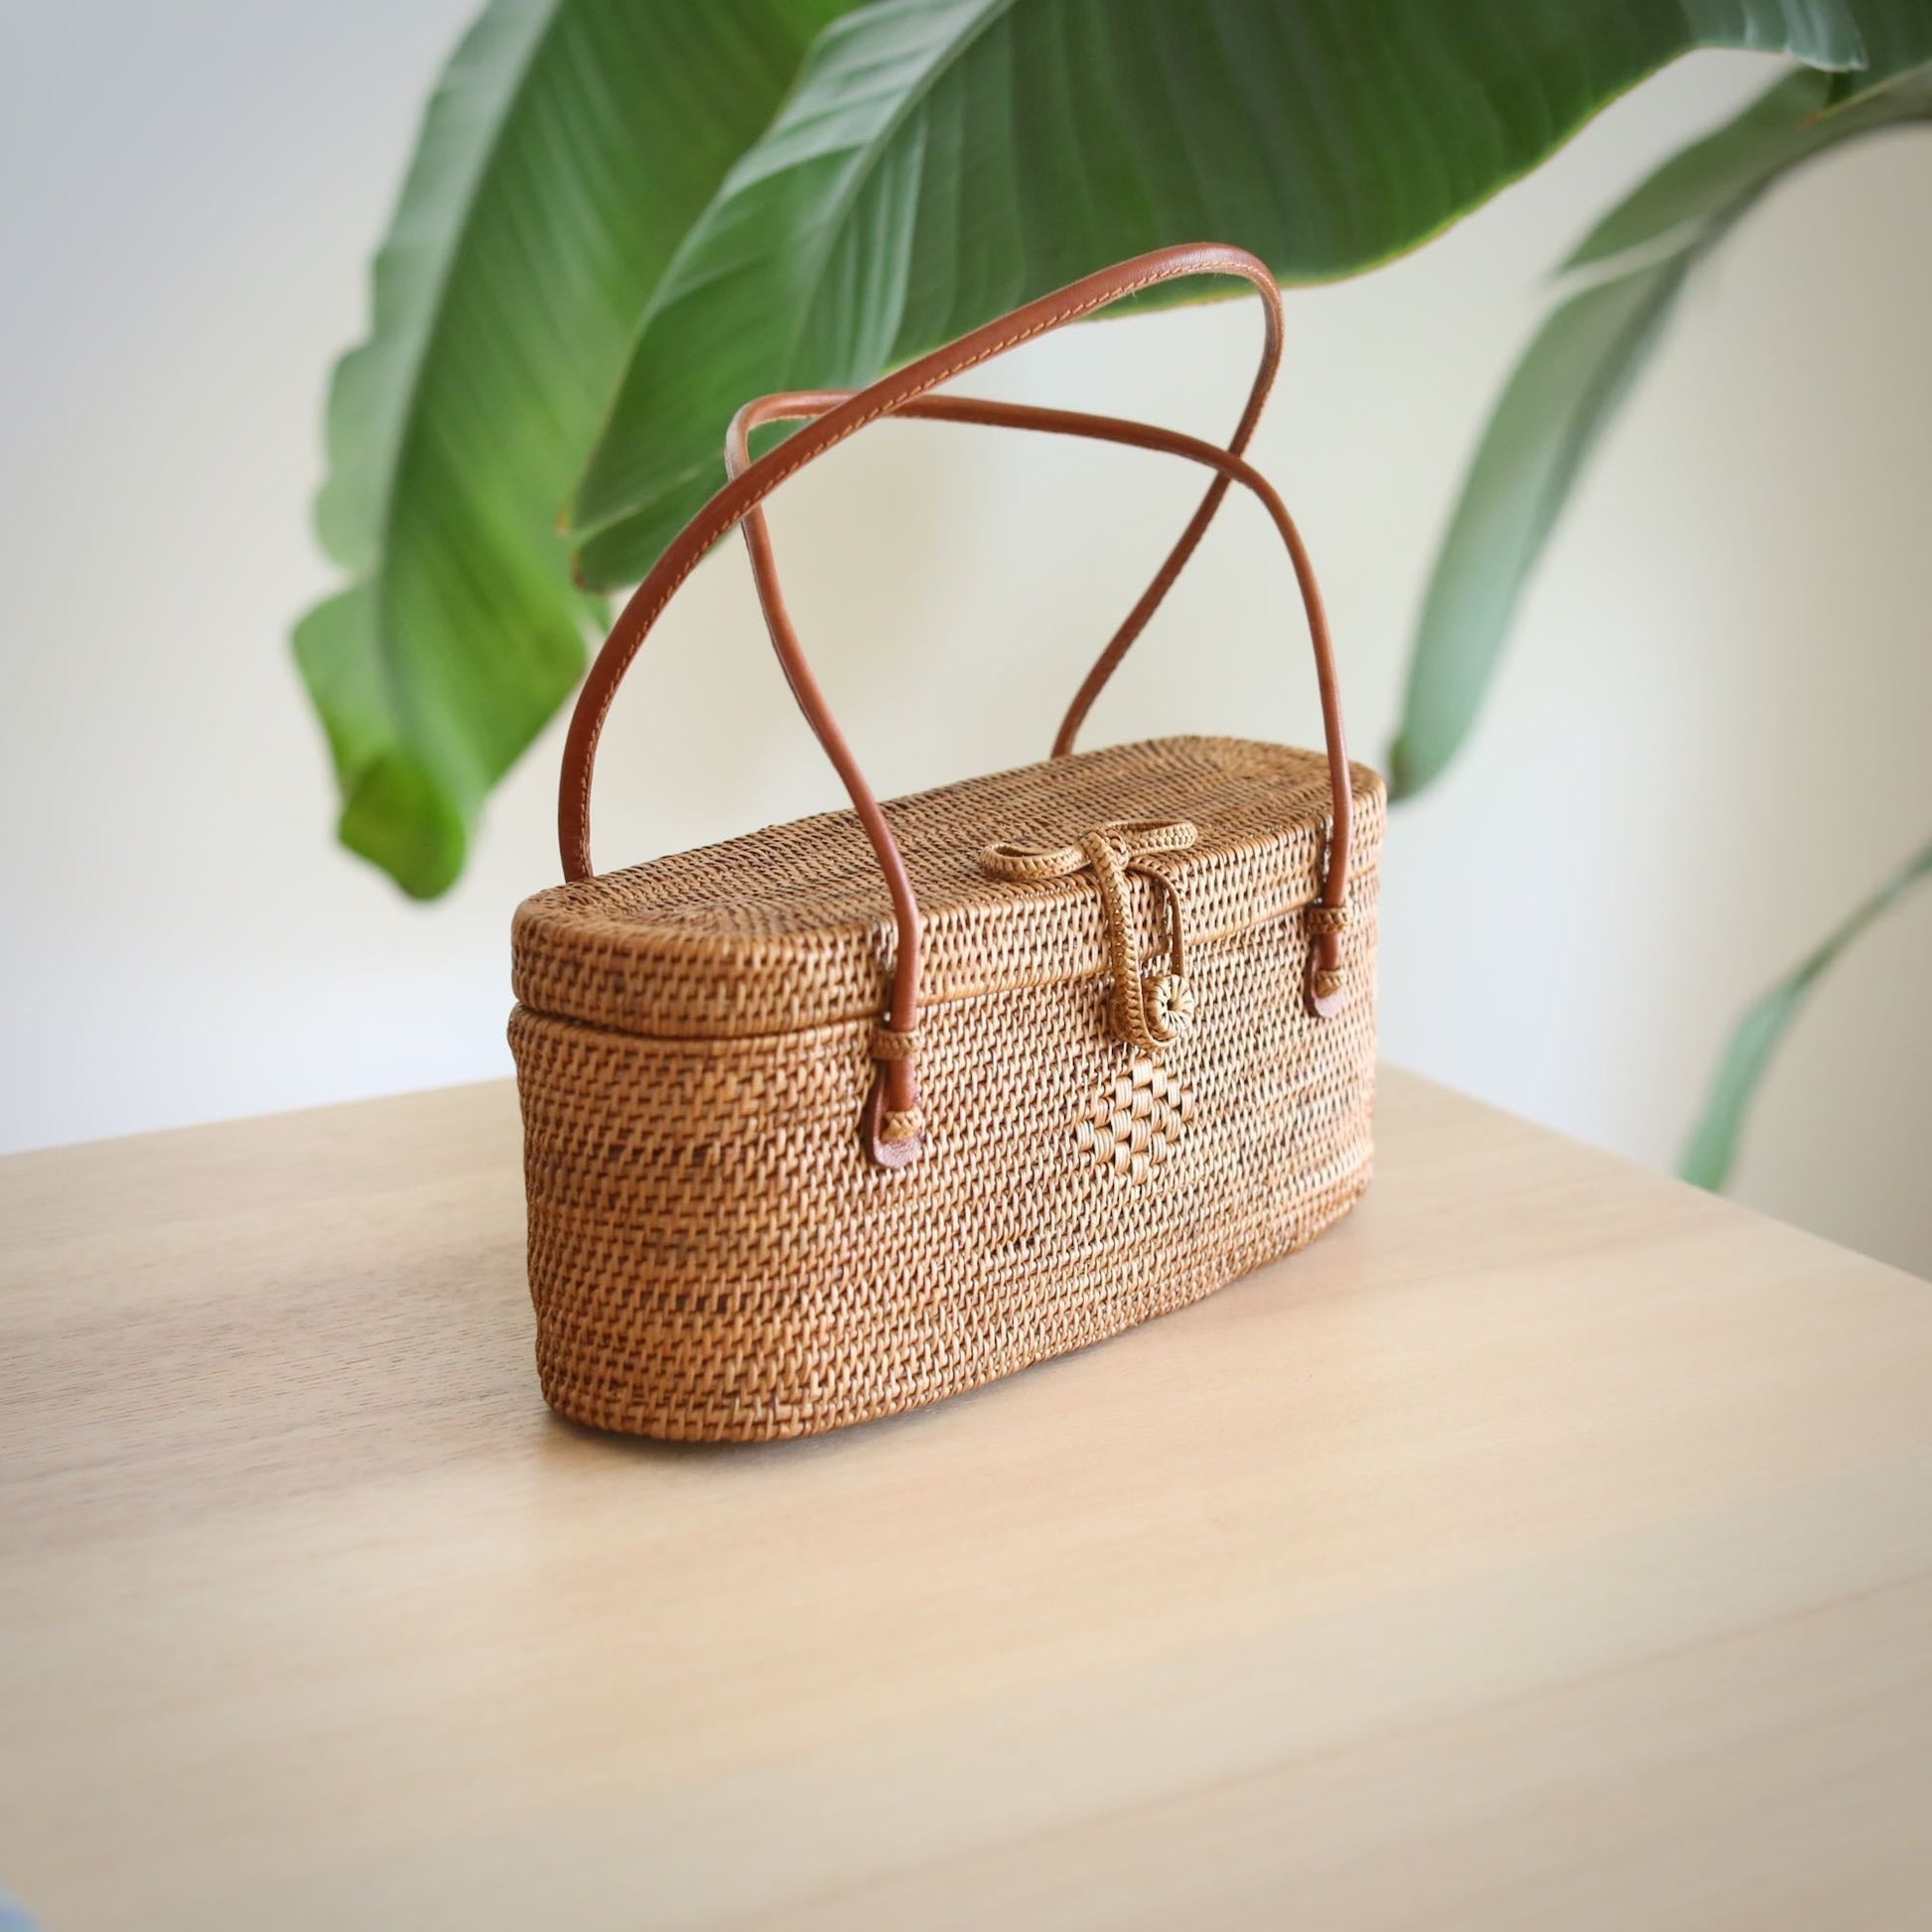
1150	1010
836	416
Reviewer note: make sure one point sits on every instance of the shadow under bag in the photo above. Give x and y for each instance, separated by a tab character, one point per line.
851	1114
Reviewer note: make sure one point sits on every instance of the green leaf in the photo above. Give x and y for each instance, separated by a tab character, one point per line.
942	160
1897	36
567	150
1713	1145
1563	392
1575	373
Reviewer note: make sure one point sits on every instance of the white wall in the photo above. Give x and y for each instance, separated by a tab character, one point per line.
1709	738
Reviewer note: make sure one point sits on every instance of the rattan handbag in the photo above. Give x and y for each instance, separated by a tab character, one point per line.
852	1114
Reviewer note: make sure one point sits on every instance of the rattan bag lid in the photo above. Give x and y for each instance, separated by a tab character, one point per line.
791	929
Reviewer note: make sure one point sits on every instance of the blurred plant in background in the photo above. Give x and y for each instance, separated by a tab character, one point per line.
625	217
1631	267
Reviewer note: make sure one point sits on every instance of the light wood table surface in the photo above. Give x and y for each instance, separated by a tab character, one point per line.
1549	1546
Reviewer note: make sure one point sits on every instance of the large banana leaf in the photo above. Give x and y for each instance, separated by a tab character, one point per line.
944	159
1557	404
569	147
1580	365
1713	1145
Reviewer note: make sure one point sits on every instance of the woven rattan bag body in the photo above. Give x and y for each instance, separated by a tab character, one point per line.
851	1114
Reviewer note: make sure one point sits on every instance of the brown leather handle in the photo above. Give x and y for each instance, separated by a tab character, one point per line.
1108	429
894	1091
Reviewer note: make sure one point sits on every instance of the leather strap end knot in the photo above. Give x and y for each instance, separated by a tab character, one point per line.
892	1123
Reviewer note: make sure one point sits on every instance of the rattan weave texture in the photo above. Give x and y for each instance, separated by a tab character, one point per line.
712	1255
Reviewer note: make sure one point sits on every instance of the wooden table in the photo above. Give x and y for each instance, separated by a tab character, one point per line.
1549	1546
